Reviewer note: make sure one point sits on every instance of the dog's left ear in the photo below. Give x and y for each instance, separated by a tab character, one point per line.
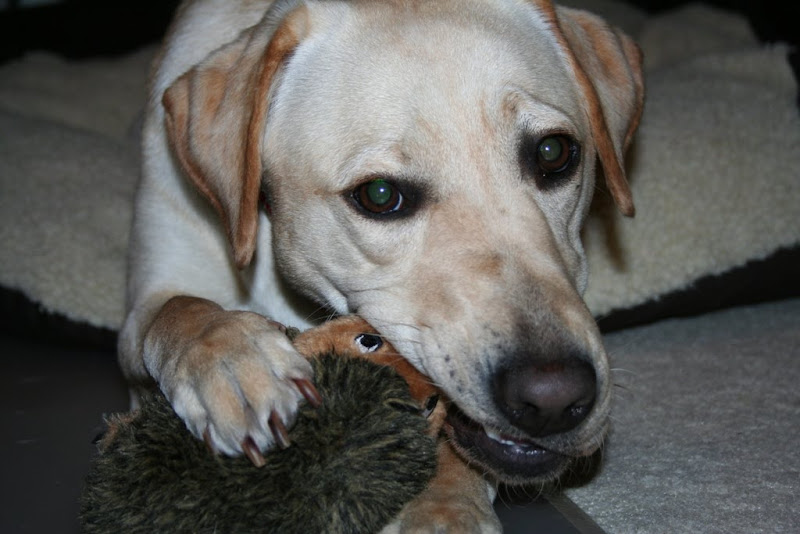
608	69
215	118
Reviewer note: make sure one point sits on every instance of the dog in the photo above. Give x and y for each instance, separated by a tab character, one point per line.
424	164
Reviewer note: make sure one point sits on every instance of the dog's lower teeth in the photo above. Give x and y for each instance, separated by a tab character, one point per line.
496	437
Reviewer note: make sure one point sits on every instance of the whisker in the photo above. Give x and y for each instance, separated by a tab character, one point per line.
622	387
385	287
402	338
321	314
404	325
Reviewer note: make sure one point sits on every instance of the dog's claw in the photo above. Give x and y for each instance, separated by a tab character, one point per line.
279	431
279	326
209	442
251	451
309	392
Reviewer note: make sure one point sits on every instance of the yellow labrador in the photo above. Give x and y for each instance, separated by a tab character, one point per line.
425	164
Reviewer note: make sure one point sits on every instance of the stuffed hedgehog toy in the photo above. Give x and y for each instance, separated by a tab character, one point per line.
354	460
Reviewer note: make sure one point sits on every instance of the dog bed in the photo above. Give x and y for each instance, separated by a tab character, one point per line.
714	169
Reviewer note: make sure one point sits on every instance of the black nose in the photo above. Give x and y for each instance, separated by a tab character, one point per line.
546	398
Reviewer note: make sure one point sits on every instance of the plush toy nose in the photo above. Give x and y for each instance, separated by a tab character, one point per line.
546	398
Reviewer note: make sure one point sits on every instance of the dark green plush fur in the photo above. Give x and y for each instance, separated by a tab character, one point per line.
353	463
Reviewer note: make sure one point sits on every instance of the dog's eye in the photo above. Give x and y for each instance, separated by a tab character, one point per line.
368	342
553	153
379	197
549	159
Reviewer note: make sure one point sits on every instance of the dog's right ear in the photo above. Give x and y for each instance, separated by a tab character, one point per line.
607	66
215	118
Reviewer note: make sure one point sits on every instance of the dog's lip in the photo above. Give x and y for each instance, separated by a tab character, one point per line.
510	459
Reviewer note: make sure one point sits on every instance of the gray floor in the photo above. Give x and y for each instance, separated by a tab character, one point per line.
706	426
53	400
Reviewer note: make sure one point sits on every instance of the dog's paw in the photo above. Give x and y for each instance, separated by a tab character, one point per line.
237	384
441	516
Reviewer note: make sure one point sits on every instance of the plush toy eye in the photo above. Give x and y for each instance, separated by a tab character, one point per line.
430	405
368	342
379	197
554	153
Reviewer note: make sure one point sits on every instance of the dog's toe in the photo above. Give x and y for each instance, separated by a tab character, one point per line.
241	392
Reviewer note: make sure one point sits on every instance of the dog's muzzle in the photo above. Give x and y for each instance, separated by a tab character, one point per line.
540	399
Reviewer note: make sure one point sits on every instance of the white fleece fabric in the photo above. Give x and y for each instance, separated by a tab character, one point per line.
714	168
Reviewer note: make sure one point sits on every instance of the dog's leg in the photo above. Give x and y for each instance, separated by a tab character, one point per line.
232	376
458	500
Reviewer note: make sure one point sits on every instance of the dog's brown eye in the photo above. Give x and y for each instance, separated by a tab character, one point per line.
554	153
379	197
549	160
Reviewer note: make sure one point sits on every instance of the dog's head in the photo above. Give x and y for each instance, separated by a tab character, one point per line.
429	165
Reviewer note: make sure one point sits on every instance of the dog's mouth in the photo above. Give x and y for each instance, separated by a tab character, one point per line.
510	459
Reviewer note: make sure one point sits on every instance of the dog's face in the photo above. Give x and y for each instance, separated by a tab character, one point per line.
429	166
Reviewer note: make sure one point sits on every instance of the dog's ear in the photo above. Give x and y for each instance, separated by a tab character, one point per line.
608	69
215	118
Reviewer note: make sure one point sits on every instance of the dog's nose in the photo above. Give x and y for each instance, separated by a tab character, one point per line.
547	397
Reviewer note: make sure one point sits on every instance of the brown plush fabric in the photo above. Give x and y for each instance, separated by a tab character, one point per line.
354	462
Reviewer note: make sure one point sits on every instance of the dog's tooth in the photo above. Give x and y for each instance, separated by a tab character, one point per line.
496	437
493	436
